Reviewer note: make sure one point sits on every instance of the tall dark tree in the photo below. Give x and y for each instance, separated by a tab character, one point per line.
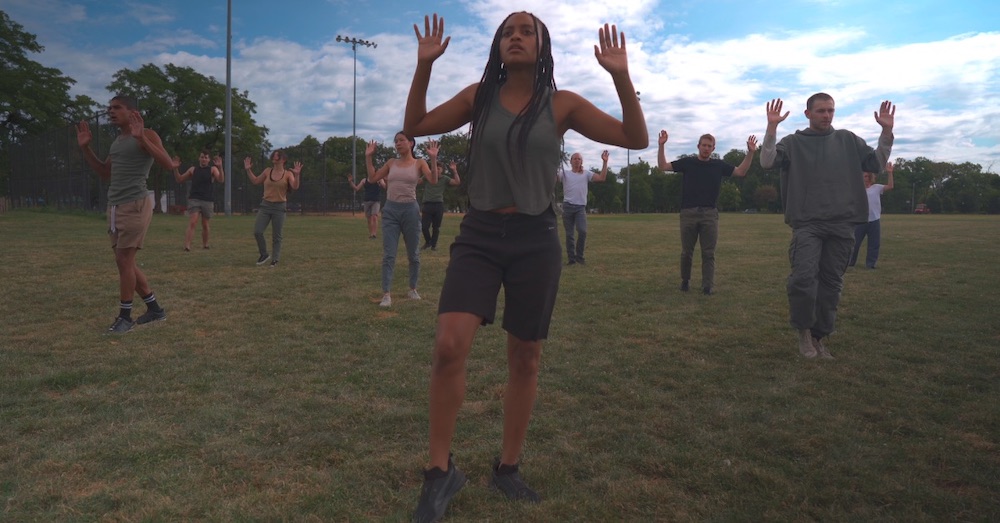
33	98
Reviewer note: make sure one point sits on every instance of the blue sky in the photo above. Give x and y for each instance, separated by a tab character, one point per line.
699	66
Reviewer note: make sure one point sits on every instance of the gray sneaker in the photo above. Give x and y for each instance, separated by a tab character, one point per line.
437	493
120	326
821	349
150	316
512	485
806	347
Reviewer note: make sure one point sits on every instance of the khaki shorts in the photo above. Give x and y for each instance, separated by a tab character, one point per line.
203	207
128	223
371	208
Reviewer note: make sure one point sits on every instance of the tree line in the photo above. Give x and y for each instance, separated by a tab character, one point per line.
186	109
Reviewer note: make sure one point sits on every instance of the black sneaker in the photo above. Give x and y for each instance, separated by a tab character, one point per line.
151	316
425	247
685	286
511	485
274	263
707	291
121	326
263	259
437	493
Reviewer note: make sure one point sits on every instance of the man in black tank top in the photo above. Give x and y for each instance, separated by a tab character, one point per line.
201	197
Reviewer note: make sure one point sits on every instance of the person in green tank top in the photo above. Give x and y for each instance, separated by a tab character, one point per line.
432	210
130	204
509	236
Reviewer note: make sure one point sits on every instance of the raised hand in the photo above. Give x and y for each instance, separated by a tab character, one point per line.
889	167
886	115
370	148
136	123
247	163
774	116
83	135
610	52
430	47
217	161
297	168
605	155
752	143
432	148
176	161
454	167
663	137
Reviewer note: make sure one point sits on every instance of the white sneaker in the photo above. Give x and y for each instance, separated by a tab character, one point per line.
386	301
413	294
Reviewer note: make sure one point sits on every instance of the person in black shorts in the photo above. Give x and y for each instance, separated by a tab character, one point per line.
509	236
373	202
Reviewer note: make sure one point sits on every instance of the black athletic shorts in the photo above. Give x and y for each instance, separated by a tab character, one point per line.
520	252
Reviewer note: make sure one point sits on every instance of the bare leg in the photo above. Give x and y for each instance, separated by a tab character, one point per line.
455	332
190	231
519	400
204	231
131	279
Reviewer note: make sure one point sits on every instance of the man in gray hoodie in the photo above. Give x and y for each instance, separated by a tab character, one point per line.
823	194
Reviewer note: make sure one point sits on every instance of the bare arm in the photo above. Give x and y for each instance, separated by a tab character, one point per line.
447	117
181	178
83	137
296	178
744	166
888	168
150	142
455	180
217	172
598	178
575	112
248	165
381	173
661	156
355	186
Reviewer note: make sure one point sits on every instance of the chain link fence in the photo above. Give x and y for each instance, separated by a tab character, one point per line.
48	170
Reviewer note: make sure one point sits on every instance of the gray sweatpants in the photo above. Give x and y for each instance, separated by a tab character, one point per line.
818	253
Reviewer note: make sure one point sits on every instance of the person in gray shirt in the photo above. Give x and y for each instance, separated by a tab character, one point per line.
823	194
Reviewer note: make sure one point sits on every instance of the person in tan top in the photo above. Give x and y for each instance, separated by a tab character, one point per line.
277	181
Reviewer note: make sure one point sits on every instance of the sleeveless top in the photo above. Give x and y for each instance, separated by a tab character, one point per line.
496	179
402	182
201	184
373	191
130	166
276	191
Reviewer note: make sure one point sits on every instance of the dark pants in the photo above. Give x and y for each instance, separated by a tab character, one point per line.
874	232
699	225
819	253
575	219
430	218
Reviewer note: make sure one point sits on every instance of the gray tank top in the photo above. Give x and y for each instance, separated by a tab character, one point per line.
129	169
496	179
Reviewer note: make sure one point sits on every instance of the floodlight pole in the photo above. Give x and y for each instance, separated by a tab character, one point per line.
354	117
228	203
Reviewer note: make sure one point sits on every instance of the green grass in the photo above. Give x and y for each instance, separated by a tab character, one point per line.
287	394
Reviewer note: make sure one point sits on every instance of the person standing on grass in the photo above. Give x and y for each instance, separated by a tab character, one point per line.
130	203
372	204
873	228
701	183
509	237
432	211
401	214
201	198
278	182
574	206
824	198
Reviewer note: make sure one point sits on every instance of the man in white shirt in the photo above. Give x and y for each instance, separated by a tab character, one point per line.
575	203
872	229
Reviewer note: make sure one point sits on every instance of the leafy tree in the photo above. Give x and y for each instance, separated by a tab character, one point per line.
33	98
187	110
729	197
765	197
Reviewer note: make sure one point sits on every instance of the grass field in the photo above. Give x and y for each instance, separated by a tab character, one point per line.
288	394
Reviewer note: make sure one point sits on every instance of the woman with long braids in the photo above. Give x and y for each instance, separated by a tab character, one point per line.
509	236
